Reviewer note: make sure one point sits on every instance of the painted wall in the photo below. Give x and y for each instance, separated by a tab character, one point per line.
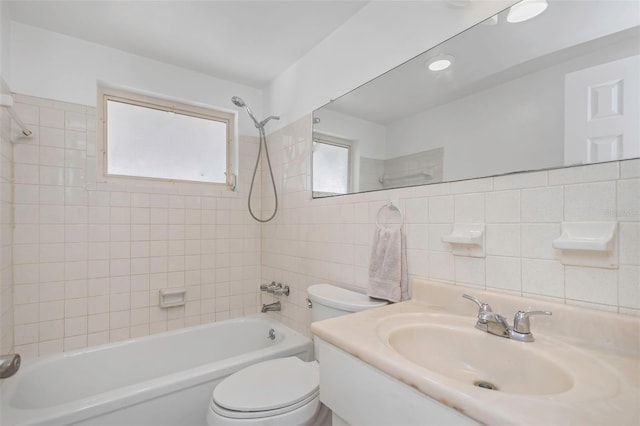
74	67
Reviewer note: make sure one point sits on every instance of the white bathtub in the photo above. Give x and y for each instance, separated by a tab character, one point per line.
164	379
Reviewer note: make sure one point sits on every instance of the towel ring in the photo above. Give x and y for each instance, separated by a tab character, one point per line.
393	208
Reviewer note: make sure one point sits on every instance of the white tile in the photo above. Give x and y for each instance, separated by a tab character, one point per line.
502	207
470	270
504	273
75	121
542	204
51	310
75	159
441	266
75	140
441	209
50	117
417	236
582	174
629	234
469	208
629	286
51	175
630	169
51	137
543	277
49	330
628	206
520	181
592	201
503	239
50	156
26	174
471	185
593	285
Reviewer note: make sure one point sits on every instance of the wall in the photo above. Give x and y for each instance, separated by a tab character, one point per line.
6	232
90	257
380	36
328	240
75	66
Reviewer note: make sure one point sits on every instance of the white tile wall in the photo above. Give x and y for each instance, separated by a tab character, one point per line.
90	257
6	235
328	240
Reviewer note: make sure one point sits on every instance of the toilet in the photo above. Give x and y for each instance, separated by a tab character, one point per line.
284	391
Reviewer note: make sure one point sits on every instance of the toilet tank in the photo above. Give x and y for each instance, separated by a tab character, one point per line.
328	301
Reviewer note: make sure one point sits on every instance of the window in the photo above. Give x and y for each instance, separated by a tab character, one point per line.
331	165
145	137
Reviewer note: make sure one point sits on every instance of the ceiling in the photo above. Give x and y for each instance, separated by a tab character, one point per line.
248	42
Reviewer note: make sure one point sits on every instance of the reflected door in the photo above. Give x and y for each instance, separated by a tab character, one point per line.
602	112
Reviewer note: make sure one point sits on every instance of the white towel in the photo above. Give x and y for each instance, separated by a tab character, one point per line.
388	265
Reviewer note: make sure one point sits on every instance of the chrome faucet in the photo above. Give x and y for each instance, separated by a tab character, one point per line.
9	365
275	306
496	324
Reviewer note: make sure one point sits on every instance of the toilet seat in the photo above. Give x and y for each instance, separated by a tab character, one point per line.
267	389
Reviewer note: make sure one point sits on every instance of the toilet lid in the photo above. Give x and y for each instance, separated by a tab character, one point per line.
268	385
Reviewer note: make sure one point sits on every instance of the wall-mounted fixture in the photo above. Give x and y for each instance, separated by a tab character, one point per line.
439	62
588	244
7	102
525	10
275	289
466	239
171	297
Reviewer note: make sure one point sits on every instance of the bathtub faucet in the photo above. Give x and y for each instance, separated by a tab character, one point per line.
275	306
9	365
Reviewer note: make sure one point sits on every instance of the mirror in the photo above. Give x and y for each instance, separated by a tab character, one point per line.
560	89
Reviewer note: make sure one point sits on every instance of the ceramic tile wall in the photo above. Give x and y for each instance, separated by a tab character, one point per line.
90	257
6	235
328	240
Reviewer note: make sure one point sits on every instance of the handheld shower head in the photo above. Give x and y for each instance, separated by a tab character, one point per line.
237	101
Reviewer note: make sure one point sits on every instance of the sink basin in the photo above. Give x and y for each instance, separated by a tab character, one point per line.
477	358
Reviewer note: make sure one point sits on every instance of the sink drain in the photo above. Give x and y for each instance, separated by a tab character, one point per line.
485	385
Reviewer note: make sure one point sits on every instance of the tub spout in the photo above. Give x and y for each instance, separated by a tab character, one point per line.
9	365
275	306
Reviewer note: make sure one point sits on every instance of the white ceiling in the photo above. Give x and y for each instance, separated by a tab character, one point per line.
248	42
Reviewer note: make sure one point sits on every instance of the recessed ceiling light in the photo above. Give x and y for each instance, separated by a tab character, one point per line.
526	10
440	62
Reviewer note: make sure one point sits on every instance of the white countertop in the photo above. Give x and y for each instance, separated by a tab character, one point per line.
600	350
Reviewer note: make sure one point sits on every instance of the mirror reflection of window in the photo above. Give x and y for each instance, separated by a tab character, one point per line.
331	167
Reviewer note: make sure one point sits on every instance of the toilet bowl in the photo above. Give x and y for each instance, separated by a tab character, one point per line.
283	391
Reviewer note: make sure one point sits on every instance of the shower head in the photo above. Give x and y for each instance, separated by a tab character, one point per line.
237	101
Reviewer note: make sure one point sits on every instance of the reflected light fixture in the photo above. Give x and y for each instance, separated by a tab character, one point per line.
439	63
525	10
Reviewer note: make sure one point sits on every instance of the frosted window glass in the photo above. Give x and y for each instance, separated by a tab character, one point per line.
330	168
146	142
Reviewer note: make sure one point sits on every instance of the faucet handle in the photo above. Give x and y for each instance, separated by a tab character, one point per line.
484	310
521	320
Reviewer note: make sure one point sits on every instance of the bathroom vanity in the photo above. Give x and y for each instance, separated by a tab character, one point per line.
424	362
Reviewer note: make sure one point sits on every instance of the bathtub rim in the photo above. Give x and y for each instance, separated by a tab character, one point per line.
130	395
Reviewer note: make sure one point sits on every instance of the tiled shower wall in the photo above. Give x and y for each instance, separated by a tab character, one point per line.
90	257
6	235
328	240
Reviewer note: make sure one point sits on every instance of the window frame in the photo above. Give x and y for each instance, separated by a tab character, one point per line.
348	144
106	94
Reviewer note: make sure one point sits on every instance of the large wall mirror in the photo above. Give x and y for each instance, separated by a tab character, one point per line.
559	89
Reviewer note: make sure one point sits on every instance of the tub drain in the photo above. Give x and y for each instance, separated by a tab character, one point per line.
485	385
